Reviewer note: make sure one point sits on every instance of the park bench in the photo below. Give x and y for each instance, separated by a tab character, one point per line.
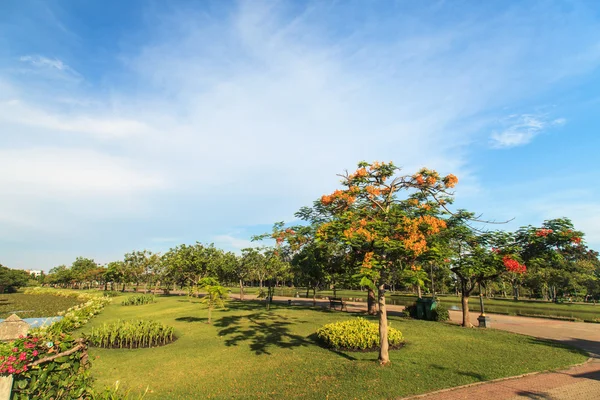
336	301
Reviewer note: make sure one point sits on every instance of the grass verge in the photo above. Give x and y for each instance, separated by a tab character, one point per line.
249	352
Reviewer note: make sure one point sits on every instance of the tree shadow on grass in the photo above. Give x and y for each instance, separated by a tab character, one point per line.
260	306
191	319
316	341
262	330
578	346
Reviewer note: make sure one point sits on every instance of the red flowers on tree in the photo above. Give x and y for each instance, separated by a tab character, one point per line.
513	265
543	232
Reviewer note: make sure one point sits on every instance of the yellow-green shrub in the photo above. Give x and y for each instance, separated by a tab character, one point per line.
356	334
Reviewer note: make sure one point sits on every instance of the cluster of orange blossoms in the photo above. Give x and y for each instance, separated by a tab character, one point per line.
543	232
450	181
414	238
368	260
348	197
360	173
362	231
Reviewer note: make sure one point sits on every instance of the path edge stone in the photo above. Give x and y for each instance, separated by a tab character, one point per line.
508	378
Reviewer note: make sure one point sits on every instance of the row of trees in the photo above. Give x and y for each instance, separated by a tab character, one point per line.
184	266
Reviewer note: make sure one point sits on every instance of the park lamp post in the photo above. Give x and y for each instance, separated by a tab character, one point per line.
484	320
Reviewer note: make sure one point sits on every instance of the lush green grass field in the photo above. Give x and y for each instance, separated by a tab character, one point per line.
34	306
249	352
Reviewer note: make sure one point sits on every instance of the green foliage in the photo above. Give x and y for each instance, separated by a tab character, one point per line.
12	279
356	334
411	310
131	334
65	377
440	313
216	295
114	393
138	300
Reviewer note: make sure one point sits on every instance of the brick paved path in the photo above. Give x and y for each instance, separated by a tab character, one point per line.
578	383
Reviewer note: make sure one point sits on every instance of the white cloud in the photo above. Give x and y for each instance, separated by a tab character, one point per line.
522	129
70	172
51	63
16	112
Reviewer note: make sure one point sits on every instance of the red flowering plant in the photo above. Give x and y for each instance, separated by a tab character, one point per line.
16	356
513	265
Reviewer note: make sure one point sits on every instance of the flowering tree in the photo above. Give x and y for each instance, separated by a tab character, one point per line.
554	253
381	229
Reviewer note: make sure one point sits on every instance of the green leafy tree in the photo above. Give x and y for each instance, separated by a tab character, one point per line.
12	279
216	295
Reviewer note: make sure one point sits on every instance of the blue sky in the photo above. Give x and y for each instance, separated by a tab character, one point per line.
140	124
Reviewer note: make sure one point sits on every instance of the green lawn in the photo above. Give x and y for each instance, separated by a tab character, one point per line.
33	305
251	353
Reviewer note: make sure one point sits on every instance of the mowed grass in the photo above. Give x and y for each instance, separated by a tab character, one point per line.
33	305
249	352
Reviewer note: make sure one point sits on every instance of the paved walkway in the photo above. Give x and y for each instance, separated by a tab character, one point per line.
578	383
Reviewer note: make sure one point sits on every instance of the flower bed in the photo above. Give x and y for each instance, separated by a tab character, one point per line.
356	334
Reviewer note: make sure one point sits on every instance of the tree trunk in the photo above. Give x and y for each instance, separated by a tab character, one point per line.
384	355
419	294
371	303
241	290
209	314
314	296
260	283
466	321
122	290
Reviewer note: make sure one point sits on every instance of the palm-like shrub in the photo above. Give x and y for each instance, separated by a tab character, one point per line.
216	295
131	334
356	334
139	299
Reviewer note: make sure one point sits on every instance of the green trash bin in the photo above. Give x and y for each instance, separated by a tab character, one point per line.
420	309
425	307
430	305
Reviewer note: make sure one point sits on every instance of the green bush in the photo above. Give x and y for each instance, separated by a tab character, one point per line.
131	334
356	334
37	376
411	310
138	300
440	313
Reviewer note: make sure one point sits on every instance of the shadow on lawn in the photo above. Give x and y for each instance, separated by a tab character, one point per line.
191	319
266	329
262	329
